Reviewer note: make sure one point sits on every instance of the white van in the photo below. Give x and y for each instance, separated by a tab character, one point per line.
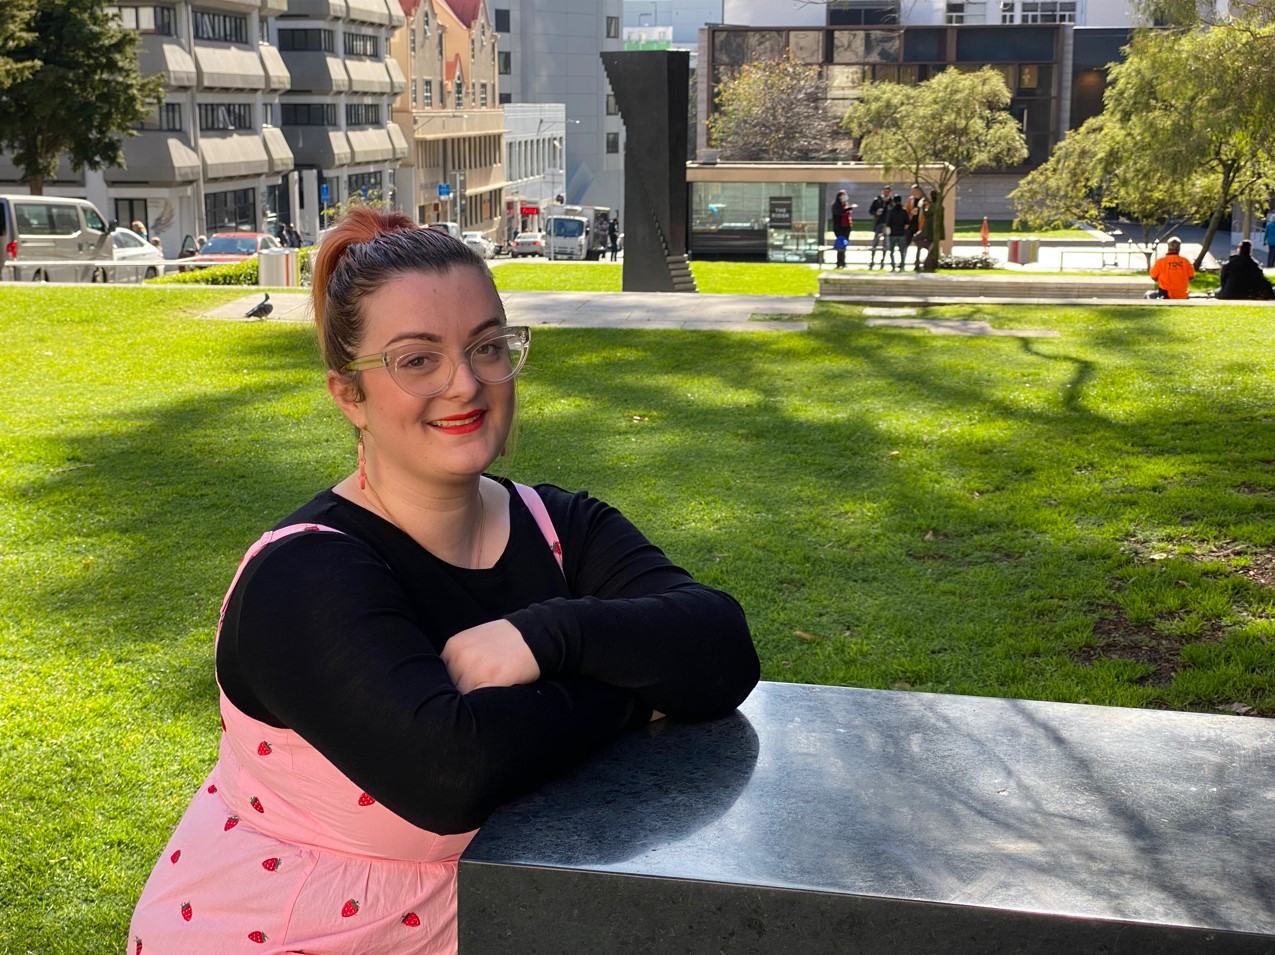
451	228
39	233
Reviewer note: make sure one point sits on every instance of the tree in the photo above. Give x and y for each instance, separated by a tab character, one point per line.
772	110
85	95
957	119
1173	143
15	33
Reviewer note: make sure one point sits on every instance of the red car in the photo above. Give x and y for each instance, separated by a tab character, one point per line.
226	247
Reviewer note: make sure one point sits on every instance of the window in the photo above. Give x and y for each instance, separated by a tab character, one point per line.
613	142
233	211
309	114
473	93
159	20
320	40
613	108
167	117
213	116
501	18
613	28
504	64
482	94
362	114
1049	11
506	98
411	41
364	184
458	93
955	12
1007	11
414	103
267	114
131	210
427	93
225	27
362	44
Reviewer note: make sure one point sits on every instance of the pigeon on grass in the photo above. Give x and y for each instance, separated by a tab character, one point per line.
262	309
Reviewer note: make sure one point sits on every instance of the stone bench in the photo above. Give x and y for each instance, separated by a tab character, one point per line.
837	820
939	288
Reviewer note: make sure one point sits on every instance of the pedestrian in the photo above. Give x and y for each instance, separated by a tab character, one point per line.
155	242
842	218
896	230
422	642
613	238
1268	233
915	200
932	229
877	210
140	228
1172	273
1241	277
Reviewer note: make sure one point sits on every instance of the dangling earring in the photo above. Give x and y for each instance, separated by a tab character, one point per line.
362	464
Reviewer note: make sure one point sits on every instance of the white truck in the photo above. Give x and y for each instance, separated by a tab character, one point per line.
577	232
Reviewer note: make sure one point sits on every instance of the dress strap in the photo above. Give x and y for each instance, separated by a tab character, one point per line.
255	549
543	521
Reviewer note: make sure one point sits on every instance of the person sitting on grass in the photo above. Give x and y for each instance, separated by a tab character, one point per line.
1172	272
422	642
1242	278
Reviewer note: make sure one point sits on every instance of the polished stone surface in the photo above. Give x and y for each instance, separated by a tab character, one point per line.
834	819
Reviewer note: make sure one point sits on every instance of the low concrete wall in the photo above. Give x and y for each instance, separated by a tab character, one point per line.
939	287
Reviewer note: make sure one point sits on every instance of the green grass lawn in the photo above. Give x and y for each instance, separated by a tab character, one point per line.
714	278
1082	518
999	230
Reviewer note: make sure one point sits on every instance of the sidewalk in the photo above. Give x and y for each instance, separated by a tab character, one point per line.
645	310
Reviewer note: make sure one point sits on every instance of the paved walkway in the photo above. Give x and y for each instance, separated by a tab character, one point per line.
684	310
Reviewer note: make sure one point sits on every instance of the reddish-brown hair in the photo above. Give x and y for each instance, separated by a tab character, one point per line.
360	254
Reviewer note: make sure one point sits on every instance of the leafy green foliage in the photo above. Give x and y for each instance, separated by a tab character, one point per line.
1173	144
15	34
772	110
85	95
955	118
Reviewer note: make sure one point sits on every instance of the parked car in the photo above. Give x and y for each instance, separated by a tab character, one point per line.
451	228
527	243
143	260
46	231
226	247
480	244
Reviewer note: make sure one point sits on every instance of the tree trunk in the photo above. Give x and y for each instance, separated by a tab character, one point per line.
36	185
1214	221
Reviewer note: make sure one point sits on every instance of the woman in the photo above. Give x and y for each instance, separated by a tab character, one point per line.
933	230
422	642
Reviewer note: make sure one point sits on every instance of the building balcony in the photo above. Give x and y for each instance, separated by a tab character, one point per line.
277	150
273	8
398	139
318	9
165	56
368	11
233	155
370	144
224	67
316	72
398	82
321	147
367	75
156	159
278	78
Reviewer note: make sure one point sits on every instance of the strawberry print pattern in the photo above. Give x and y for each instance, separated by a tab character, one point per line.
271	865
258	937
187	911
175	856
231	822
138	950
351	907
411	920
255	803
366	800
264	748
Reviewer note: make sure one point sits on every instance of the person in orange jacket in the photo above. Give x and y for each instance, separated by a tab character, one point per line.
1172	272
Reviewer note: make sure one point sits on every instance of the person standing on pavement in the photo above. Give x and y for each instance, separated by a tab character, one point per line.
912	206
613	238
932	230
896	224
880	206
842	217
1172	272
1269	236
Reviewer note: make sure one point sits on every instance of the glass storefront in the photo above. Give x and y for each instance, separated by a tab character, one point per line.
733	220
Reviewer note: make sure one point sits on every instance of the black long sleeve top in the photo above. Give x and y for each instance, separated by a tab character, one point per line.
337	636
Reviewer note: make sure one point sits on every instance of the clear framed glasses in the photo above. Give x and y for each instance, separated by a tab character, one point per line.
423	372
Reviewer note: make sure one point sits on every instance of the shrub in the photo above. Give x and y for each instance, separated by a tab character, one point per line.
233	273
968	262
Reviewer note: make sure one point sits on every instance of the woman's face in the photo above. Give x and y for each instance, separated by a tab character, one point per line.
457	433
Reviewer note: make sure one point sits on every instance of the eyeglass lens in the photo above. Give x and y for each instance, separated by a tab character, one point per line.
492	360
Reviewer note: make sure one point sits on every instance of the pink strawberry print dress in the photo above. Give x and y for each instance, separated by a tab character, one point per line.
318	866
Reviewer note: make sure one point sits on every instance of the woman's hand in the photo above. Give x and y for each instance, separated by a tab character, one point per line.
490	654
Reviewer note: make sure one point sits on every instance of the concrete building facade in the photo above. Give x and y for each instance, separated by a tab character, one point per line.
550	54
